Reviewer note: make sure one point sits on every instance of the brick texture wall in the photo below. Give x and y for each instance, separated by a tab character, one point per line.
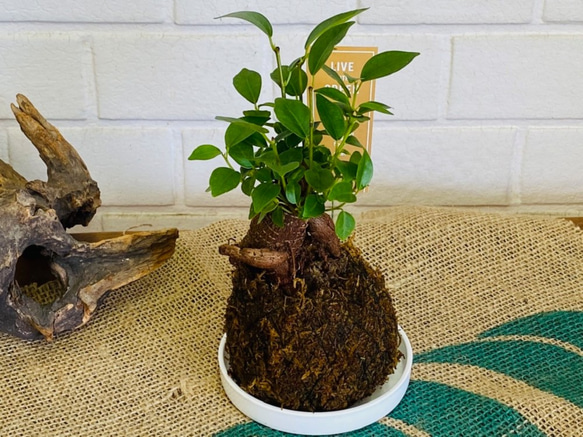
490	115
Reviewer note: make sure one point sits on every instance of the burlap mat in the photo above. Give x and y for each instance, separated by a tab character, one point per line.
492	304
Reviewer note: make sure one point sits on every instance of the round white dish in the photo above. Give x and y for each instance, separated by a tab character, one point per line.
363	413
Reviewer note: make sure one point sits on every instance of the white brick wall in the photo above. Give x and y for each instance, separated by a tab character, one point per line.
490	115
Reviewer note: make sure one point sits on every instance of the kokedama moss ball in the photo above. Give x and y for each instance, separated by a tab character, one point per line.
320	343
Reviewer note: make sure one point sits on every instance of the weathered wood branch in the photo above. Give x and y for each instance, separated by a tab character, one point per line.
52	281
69	189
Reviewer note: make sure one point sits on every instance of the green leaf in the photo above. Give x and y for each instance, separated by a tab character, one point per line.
282	170
322	155
271	206
293	191
257	114
334	94
222	180
320	179
241	122
247	185
292	155
275	76
239	130
296	175
355	157
342	192
277	216
264	175
259	20
263	195
364	172
204	153
235	134
294	115
298	82
334	75
324	45
242	153
256	140
345	224
329	23
348	169
353	141
314	206
332	117
374	106
385	63
248	84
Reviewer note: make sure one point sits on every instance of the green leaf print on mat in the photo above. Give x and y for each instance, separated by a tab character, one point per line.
565	326
255	430
442	410
545	366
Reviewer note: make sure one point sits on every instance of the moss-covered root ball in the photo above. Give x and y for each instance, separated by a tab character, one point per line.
321	343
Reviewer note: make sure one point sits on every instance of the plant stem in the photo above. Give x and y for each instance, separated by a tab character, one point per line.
312	122
278	61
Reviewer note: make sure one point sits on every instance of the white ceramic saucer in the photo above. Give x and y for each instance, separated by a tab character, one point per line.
365	412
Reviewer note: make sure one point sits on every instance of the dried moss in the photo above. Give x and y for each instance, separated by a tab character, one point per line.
321	343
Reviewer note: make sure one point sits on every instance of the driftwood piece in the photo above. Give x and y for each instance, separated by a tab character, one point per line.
51	281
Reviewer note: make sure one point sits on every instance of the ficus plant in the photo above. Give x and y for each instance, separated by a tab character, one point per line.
274	151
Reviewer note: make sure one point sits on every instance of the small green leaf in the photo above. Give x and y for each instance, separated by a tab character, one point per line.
242	153
257	114
277	216
204	153
374	106
331	22
239	130
353	141
364	172
294	115
293	191
314	206
345	224
324	45
259	20
292	155
347	169
222	180
385	63
242	122
276	77
322	155
320	179
355	157
247	185
235	134
263	195
332	117
282	170
298	82
256	140
248	84
334	94
258	121
342	192
296	175
334	75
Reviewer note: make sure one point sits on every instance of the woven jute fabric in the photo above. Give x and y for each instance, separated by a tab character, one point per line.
492	304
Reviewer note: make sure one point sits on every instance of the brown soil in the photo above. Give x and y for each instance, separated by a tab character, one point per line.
319	339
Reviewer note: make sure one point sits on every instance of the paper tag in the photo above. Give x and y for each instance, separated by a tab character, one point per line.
348	62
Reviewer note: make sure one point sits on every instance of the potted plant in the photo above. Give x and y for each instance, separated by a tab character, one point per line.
310	324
